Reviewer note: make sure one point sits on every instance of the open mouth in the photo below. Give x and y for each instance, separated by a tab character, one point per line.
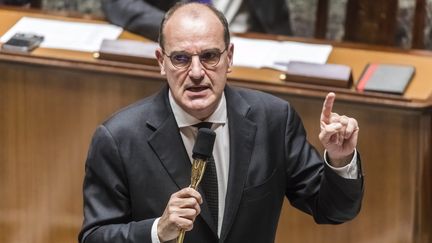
197	88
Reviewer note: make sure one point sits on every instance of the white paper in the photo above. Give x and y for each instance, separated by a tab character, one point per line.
64	34
276	54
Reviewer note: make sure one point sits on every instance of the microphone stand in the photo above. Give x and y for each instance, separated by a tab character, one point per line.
198	168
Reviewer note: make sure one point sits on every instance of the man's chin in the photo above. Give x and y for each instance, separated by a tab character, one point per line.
198	100
200	106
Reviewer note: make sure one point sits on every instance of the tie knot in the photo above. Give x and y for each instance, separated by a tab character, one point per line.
203	125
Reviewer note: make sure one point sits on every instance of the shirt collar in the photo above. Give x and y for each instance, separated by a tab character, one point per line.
184	119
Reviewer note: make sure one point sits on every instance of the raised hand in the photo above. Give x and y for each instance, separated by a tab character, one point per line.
338	134
180	213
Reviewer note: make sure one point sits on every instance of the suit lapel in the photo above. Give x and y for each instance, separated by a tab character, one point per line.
175	159
242	137
168	145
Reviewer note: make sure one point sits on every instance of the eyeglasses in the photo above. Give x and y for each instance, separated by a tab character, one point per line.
208	58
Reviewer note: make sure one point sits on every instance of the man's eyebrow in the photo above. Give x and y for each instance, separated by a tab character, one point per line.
208	49
180	52
212	49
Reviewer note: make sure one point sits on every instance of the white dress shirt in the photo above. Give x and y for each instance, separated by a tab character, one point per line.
221	151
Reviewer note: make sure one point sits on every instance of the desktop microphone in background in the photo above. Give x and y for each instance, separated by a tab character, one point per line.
201	152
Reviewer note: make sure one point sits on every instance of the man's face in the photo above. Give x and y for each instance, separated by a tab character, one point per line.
197	87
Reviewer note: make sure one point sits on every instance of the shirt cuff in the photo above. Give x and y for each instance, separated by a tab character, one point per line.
154	235
349	171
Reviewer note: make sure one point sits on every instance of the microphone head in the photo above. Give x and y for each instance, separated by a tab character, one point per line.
203	147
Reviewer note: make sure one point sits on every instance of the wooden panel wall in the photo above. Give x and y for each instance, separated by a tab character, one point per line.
47	118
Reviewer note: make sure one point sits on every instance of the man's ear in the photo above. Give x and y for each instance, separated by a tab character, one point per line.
160	59
230	56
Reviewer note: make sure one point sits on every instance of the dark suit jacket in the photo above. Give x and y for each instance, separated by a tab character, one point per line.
137	160
144	16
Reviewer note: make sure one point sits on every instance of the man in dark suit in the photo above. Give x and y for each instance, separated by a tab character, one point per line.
144	16
139	163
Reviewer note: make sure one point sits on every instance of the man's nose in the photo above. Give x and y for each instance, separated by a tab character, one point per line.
196	68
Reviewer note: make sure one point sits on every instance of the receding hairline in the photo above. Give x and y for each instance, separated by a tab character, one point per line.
194	10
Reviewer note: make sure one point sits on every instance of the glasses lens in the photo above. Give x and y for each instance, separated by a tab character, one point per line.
210	57
180	59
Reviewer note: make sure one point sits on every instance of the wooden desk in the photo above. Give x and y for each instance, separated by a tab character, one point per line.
52	100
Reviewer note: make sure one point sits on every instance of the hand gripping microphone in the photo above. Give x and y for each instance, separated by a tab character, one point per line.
201	152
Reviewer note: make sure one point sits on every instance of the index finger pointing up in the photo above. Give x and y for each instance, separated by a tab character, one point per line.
327	107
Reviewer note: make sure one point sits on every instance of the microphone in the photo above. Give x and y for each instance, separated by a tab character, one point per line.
203	147
201	152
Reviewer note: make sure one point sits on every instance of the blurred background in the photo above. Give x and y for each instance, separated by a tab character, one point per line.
302	17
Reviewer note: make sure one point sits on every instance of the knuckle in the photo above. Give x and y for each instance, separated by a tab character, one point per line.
172	218
190	227
171	210
189	191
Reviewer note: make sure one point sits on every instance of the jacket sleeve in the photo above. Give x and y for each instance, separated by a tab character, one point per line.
312	186
136	16
107	211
